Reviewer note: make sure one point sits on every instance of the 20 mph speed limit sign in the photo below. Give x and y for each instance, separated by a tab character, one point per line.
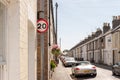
42	25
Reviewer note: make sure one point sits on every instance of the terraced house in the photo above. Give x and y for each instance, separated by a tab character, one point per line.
103	46
116	39
18	39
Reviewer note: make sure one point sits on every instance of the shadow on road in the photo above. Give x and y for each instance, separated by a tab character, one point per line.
103	66
116	76
83	77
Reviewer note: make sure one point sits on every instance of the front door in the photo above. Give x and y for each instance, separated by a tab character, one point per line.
113	57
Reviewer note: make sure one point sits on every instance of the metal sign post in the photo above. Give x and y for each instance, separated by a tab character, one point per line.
42	27
42	56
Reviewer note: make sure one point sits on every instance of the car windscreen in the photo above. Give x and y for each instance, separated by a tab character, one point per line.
118	63
83	63
70	59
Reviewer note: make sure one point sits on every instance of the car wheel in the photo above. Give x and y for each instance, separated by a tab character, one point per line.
113	72
73	74
65	65
94	75
76	75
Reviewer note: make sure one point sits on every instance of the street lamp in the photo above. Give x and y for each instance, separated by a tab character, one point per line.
56	21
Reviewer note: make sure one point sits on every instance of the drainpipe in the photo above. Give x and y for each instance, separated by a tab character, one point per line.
119	44
100	51
49	23
93	51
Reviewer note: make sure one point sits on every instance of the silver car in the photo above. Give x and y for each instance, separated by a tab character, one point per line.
116	69
84	68
69	61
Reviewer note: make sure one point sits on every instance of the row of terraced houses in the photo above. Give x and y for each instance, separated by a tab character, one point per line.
102	46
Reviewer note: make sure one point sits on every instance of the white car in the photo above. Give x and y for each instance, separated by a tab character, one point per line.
69	61
84	68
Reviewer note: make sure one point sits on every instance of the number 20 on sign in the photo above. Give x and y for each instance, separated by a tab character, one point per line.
42	25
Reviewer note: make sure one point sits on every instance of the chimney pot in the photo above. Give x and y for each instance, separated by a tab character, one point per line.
89	35
114	17
98	29
93	33
116	21
118	17
105	24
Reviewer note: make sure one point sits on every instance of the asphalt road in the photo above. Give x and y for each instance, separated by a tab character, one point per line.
102	74
64	73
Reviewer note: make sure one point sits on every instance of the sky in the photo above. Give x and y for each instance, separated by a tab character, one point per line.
79	18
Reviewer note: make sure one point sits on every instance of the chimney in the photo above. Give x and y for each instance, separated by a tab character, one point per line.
114	17
116	21
86	39
98	32
89	37
106	27
93	34
118	17
98	29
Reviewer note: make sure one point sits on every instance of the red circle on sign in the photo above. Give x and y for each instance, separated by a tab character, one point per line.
39	22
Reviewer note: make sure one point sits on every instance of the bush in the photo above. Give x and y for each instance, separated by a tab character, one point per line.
55	50
52	64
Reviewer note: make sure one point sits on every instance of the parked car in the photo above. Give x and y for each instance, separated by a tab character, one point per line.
116	69
62	58
69	61
84	68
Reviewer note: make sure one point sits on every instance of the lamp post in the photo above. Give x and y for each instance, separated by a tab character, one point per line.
60	43
56	21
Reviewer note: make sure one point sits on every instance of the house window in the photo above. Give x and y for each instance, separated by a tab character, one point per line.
109	40
103	42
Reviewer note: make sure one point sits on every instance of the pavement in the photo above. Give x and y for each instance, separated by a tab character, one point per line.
60	73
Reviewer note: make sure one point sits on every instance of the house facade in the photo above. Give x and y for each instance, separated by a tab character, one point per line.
107	52
18	40
116	39
107	44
